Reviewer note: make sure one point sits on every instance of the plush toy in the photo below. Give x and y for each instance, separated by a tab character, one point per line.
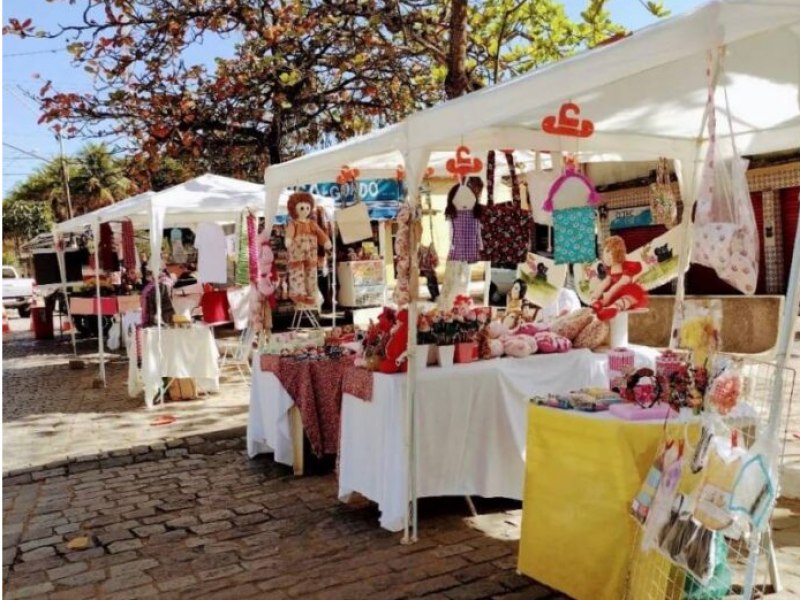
618	291
516	346
549	342
303	237
464	213
396	358
263	297
531	329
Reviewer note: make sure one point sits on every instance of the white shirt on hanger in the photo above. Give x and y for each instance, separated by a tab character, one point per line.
211	253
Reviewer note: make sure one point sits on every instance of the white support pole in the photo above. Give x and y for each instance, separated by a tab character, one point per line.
100	349
415	163
62	271
334	299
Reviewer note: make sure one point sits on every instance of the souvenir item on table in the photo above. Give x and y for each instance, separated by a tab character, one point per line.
700	328
520	346
572	324
529	311
670	362
515	296
593	399
550	343
619	291
640	507
686	388
642	387
621	360
628	411
669	463
544	279
663	204
303	237
754	491
593	335
505	228
726	233
726	385
464	213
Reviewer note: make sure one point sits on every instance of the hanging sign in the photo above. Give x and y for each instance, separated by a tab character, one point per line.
568	122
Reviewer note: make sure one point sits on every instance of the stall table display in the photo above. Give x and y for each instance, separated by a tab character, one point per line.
471	422
582	471
185	352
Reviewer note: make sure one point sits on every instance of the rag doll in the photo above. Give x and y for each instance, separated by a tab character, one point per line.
263	297
464	213
303	237
515	296
396	358
619	291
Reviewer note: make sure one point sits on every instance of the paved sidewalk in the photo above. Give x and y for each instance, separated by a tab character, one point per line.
204	522
51	412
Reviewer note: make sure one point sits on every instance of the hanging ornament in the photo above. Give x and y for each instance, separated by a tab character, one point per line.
463	164
568	122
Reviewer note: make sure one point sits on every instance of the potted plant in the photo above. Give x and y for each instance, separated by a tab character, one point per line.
426	351
444	328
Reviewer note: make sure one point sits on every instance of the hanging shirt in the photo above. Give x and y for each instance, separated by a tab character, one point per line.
211	253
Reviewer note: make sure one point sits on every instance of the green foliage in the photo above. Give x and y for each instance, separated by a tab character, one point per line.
304	73
24	219
96	179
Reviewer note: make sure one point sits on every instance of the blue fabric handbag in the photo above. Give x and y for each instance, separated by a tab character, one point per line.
574	235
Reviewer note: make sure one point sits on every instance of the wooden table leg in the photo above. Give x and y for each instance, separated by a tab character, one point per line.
296	424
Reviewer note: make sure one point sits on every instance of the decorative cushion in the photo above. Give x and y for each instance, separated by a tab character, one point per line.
593	335
572	324
549	342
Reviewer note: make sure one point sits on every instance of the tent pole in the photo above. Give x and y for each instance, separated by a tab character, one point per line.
62	271
100	350
333	275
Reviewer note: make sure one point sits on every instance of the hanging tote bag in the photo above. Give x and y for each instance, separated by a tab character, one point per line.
505	228
726	235
663	205
353	221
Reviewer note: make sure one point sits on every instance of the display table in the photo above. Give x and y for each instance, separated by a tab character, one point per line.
471	428
185	352
582	471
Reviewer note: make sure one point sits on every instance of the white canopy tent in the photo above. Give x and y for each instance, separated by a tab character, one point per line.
208	198
645	94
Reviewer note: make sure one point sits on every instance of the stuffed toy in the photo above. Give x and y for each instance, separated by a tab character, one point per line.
619	291
303	237
550	343
593	335
263	297
531	329
464	214
571	325
396	358
520	346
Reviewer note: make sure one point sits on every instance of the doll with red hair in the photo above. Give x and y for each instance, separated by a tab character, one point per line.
619	290
303	237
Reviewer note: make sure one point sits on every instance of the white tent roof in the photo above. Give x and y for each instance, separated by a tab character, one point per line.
206	198
645	94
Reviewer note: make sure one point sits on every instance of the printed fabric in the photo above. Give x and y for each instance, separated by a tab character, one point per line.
505	228
465	237
574	235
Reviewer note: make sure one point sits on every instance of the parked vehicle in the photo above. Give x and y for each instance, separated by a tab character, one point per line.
17	291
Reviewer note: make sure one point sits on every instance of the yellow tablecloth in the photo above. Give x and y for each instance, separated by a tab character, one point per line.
582	471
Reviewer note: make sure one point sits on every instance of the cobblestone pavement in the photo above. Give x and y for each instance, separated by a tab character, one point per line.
204	522
51	412
172	517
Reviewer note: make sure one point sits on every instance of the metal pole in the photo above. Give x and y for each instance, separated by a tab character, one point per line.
65	175
100	350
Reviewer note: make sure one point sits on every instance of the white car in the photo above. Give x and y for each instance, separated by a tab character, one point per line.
17	291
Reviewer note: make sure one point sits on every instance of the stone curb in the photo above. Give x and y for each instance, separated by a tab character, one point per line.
194	444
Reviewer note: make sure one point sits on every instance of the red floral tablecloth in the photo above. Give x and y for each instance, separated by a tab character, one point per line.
316	387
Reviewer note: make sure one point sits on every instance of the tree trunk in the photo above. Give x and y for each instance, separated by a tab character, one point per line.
274	139
456	82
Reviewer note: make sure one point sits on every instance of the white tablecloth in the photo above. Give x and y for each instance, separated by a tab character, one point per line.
185	352
268	427
471	429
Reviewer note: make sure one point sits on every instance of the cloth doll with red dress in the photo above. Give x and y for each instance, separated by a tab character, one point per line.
618	290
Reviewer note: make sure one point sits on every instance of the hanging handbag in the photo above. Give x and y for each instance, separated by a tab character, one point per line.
428	259
663	205
505	228
726	234
353	221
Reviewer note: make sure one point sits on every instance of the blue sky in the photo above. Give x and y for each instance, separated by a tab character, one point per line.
22	59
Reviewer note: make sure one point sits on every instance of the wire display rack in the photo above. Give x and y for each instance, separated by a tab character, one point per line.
741	554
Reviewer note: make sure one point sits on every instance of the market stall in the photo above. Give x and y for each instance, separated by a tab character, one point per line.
669	61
